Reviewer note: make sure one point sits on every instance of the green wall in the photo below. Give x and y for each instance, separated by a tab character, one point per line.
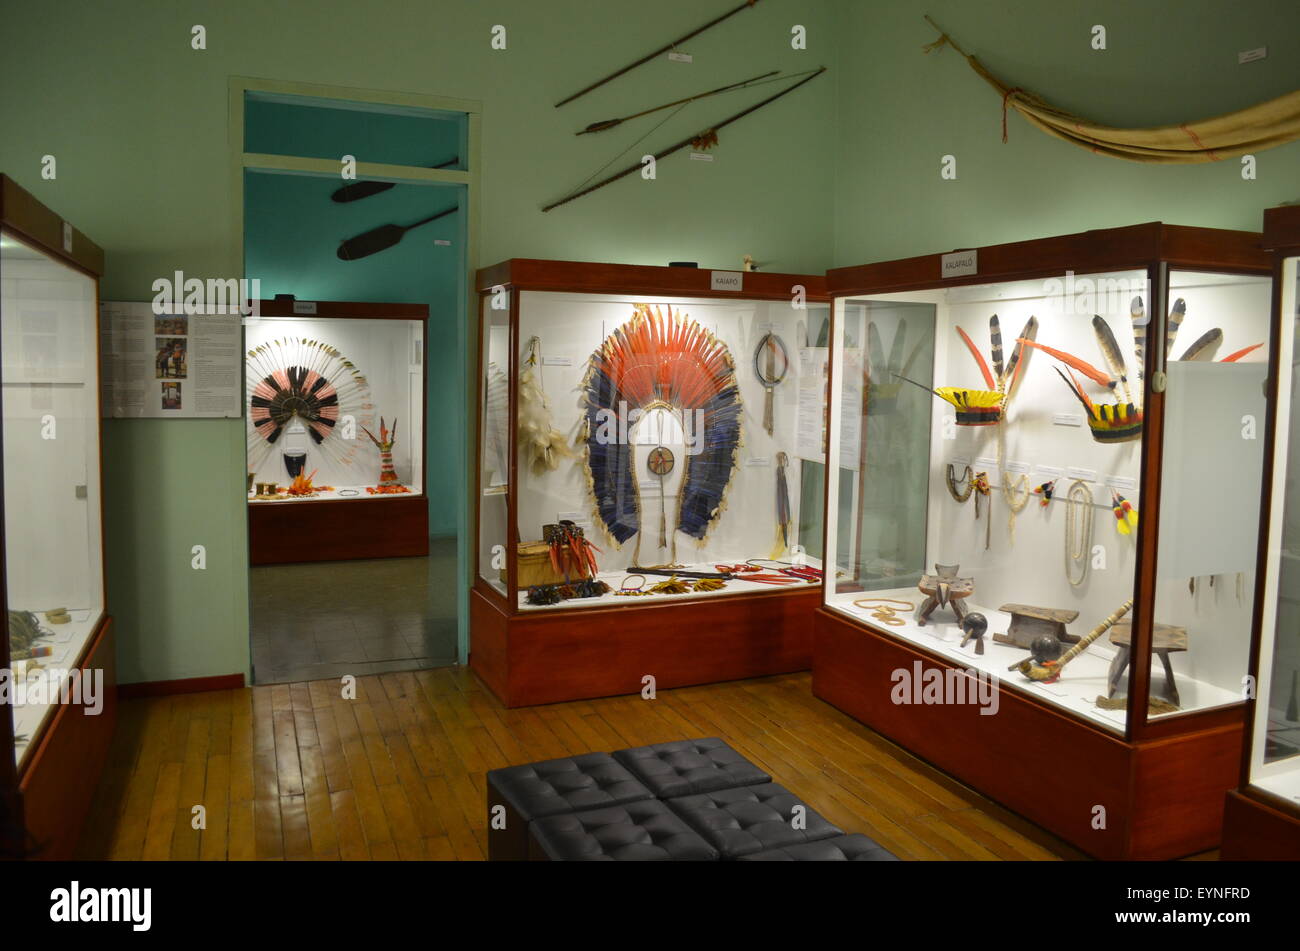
844	171
901	110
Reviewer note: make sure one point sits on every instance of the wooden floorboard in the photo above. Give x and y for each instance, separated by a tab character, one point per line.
295	771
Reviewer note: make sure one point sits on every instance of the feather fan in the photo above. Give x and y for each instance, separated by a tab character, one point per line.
540	443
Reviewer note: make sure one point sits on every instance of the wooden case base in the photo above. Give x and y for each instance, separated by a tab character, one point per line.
58	780
1153	799
1259	831
552	656
282	533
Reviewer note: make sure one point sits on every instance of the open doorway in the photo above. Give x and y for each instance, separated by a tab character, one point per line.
356	222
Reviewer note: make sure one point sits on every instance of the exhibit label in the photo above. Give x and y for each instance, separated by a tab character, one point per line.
959	263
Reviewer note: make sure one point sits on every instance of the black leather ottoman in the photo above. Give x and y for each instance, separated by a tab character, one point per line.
516	795
750	819
843	848
645	831
686	767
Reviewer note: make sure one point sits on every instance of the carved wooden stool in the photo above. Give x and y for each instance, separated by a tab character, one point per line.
1166	640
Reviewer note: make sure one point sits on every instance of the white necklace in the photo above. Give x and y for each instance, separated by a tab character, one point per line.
1078	532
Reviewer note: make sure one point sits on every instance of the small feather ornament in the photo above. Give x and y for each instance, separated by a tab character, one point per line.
1204	343
541	444
1126	516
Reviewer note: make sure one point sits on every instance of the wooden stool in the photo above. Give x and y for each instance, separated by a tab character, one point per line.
1166	640
1029	623
944	589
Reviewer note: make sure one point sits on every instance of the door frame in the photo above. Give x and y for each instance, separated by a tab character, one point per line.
467	331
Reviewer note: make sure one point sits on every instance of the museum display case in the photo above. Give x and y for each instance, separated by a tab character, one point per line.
1262	816
335	399
998	606
58	656
650	455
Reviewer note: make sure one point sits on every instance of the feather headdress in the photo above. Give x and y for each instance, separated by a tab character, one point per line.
661	360
986	407
1121	420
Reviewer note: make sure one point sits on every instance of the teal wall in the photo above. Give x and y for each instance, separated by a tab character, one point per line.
901	110
842	172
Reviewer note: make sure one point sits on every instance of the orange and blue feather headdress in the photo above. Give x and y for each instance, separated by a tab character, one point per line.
661	359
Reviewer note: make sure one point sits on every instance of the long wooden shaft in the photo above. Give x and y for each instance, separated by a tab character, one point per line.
611	123
663	49
682	144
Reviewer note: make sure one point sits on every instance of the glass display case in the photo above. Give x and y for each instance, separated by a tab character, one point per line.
57	654
1262	817
335	396
650	438
1034	495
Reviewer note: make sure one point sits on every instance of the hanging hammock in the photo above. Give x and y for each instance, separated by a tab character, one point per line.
1263	126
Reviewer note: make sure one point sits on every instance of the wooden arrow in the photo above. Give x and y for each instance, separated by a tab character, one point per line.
708	136
611	123
663	49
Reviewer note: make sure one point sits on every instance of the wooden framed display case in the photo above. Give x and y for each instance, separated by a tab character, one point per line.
336	392
1262	816
624	407
57	657
998	607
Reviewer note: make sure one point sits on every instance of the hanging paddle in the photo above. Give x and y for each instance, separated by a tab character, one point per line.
605	124
770	371
701	140
382	238
663	49
359	190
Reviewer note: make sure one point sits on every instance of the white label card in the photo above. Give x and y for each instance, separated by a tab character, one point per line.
758	461
1127	483
1249	56
67	238
987	463
677	57
959	263
701	157
304	307
726	280
1019	468
442	242
1087	475
557	361
1067	419
1052	472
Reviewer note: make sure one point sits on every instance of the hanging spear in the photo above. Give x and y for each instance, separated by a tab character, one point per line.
605	124
701	140
663	49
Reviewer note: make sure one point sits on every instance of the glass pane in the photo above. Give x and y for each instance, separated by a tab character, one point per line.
1215	410
494	441
1275	762
979	484
671	433
335	409
53	555
331	128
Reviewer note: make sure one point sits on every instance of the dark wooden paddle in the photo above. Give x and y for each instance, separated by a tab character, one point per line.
358	190
382	238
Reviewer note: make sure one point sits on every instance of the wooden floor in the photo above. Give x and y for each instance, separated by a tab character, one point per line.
294	771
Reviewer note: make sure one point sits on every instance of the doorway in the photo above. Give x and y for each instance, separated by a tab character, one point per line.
362	197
